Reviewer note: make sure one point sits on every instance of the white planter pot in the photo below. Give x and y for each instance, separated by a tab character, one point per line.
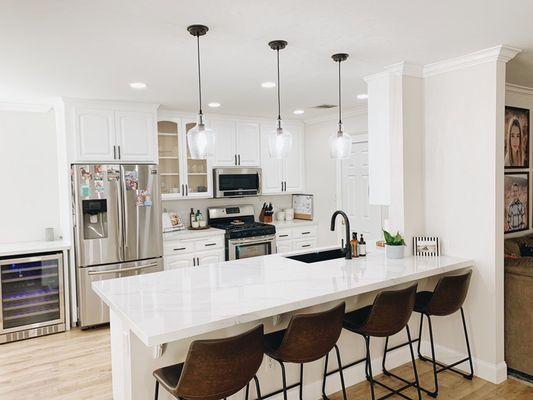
394	251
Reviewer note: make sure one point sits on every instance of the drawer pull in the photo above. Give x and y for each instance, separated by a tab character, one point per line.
180	248
210	244
283	235
306	245
306	233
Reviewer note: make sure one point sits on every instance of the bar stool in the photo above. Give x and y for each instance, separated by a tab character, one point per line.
388	315
447	298
215	369
309	337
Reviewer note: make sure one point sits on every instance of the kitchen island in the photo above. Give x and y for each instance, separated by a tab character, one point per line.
154	317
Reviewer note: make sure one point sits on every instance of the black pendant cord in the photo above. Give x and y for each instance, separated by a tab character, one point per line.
340	98
279	101
199	74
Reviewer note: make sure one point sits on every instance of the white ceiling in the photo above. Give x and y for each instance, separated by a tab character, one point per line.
93	49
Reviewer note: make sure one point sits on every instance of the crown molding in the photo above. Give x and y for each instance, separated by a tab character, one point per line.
405	68
499	53
28	107
360	110
512	88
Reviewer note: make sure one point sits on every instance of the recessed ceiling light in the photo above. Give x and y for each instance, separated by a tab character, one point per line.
298	112
214	104
362	96
268	85
138	85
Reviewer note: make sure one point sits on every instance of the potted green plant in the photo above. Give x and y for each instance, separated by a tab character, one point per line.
394	244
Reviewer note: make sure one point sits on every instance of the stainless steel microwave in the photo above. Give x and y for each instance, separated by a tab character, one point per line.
236	182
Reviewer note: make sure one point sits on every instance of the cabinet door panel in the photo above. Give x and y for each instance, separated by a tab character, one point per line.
248	144
174	262
95	131
293	165
284	246
136	136
225	142
271	168
211	257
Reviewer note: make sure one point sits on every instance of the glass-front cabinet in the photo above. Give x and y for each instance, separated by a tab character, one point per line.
181	176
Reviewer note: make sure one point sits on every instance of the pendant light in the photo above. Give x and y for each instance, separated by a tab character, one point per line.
280	141
200	139
340	144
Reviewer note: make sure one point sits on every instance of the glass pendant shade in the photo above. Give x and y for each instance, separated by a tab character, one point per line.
201	141
340	145
279	143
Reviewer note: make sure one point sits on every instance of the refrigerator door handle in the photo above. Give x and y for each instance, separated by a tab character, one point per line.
114	271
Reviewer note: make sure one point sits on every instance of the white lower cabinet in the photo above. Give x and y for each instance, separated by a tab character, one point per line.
193	251
292	236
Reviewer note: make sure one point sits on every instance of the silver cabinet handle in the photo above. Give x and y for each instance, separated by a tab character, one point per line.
283	236
114	152
119	157
235	155
285	186
306	233
194	261
197	261
306	245
210	244
282	186
239	156
179	248
186	189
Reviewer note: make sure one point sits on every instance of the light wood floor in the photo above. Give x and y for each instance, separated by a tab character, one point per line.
77	365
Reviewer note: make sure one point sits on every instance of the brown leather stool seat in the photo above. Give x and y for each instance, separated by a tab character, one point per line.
309	337
215	368
388	315
447	298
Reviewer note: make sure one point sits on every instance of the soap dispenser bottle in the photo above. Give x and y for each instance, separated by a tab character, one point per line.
354	245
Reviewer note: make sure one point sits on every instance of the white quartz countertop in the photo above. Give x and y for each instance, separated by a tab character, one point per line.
293	223
41	246
192	234
167	306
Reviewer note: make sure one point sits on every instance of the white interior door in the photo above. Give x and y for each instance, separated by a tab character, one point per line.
364	218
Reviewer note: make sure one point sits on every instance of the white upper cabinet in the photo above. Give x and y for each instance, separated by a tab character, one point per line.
225	143
237	143
283	176
134	136
99	131
95	134
248	144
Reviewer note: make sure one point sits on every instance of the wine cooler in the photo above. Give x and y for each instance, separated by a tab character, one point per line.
31	288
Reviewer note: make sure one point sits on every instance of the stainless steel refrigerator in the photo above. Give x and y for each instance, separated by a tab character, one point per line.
117	229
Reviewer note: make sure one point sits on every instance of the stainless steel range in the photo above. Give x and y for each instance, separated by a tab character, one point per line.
244	236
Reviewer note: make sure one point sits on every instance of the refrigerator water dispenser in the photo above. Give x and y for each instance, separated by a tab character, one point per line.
94	219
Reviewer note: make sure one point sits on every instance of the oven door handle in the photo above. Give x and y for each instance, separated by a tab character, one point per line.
237	242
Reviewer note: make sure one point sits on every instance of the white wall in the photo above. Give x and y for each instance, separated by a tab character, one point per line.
464	198
321	170
518	96
28	161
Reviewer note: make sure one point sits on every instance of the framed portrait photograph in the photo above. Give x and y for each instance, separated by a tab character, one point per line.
516	201
516	137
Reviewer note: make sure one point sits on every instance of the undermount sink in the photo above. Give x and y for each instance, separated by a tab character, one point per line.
318	256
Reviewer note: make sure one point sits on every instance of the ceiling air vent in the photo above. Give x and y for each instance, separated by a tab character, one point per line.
325	106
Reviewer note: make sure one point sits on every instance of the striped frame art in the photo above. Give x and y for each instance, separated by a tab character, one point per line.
426	246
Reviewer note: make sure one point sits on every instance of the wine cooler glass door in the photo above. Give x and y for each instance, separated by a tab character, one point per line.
32	292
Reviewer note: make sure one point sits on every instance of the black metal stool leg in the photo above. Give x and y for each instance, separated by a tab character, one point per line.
325	376
301	381
467	347
339	362
420	337
156	395
385	372
257	388
414	362
369	364
247	391
284	379
434	393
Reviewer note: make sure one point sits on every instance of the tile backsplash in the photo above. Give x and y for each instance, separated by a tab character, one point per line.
183	207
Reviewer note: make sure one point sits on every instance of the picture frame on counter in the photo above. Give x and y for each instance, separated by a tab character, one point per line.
303	206
426	246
